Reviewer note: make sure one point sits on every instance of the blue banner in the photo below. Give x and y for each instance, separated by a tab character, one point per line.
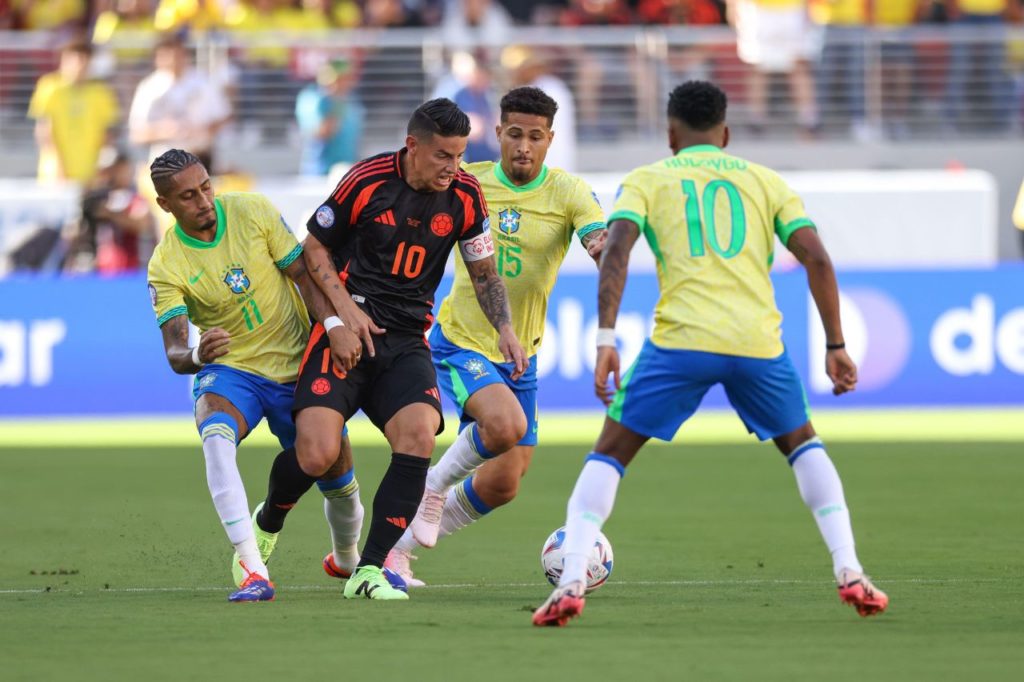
90	346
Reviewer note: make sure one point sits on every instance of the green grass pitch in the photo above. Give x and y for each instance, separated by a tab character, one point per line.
113	567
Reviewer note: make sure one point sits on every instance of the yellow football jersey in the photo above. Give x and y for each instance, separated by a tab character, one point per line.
711	220
532	227
237	282
80	114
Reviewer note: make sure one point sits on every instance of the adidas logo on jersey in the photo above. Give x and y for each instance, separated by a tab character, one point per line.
386	218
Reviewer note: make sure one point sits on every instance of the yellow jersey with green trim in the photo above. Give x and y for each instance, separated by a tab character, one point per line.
532	227
711	220
237	282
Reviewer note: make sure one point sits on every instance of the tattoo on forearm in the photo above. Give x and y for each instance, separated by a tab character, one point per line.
612	281
175	333
178	327
490	292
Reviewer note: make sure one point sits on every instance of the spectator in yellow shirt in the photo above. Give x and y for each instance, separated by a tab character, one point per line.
327	14
49	15
128	21
192	15
74	117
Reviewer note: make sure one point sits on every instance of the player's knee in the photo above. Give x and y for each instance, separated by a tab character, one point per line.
502	431
316	455
418	441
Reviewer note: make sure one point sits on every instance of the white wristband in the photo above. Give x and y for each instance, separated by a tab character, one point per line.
606	337
195	356
332	322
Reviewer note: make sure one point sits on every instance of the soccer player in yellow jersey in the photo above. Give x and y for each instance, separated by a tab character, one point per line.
230	266
534	213
711	220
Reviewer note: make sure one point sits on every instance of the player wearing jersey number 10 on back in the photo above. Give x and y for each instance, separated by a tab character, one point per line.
711	220
535	212
388	229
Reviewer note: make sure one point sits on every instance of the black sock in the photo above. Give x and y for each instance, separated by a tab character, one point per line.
394	506
288	482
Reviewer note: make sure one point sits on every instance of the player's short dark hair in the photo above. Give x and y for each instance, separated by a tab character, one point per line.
169	164
699	104
528	100
439	116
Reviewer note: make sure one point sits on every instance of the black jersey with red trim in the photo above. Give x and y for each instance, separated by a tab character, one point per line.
390	242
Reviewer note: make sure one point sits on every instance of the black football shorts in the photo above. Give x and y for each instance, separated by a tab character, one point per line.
401	374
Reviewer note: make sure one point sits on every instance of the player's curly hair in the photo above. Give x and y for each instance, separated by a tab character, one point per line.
169	164
439	116
528	100
699	104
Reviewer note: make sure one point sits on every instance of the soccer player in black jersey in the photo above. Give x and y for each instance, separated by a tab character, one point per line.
377	248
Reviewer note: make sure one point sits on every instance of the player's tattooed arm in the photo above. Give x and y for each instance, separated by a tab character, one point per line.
213	343
622	234
325	275
314	298
493	299
490	291
322	271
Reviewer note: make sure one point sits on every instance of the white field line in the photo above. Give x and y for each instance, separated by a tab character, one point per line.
534	585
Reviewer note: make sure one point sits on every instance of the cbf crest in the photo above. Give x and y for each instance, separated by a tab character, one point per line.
477	368
237	280
508	221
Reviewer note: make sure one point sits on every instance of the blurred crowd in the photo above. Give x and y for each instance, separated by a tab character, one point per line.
125	84
105	18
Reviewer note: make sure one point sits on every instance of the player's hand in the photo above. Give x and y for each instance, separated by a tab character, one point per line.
360	324
841	370
346	348
595	246
213	344
607	363
512	351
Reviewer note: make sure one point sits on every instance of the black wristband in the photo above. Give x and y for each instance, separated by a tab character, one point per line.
835	346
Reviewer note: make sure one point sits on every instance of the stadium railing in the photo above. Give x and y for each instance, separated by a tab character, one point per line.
919	82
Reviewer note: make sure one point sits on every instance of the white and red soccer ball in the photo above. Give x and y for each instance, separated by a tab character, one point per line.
599	563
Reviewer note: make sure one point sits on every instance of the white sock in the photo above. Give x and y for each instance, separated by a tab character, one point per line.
590	505
229	499
459	510
407	543
459	461
822	492
458	513
344	512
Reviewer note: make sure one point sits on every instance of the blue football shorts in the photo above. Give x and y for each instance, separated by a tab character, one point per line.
461	373
664	387
255	397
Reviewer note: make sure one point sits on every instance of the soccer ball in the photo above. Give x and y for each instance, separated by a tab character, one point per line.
599	564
